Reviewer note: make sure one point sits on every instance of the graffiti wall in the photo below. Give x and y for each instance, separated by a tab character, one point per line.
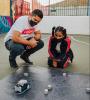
5	24
18	8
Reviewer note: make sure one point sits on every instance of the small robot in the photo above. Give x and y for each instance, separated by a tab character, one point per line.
22	86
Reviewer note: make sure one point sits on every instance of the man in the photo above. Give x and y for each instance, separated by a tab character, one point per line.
24	37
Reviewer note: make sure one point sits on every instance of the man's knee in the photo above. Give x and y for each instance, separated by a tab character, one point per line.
17	48
40	44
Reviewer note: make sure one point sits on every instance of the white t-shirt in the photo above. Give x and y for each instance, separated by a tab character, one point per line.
22	25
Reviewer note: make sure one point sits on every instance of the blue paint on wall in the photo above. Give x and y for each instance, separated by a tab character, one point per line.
5	24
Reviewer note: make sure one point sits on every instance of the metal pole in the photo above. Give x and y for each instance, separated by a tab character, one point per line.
49	8
88	8
11	8
76	7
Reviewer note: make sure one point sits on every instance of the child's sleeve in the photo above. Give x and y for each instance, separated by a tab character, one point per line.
52	48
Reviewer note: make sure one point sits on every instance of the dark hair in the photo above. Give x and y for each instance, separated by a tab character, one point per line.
60	29
38	13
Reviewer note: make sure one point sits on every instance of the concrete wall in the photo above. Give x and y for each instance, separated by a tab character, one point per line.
73	24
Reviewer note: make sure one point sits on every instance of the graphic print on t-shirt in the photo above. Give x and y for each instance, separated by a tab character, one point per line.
27	33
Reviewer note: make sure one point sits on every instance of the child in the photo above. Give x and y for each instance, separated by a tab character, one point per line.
60	53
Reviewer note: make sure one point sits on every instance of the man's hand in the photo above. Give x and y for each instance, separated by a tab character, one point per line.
37	35
33	43
18	39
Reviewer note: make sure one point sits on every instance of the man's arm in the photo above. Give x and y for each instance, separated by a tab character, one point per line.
37	35
18	39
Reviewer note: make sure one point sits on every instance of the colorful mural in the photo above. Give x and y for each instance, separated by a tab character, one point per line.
18	8
5	24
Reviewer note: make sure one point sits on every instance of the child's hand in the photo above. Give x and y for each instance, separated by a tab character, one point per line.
54	63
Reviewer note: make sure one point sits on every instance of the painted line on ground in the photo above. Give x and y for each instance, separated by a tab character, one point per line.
80	41
72	39
45	38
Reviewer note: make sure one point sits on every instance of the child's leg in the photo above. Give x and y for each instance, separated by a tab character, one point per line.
66	62
50	61
70	55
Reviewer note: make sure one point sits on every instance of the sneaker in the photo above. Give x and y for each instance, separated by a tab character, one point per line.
26	59
13	63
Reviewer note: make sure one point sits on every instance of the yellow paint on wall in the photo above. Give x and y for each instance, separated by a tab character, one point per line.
4	7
